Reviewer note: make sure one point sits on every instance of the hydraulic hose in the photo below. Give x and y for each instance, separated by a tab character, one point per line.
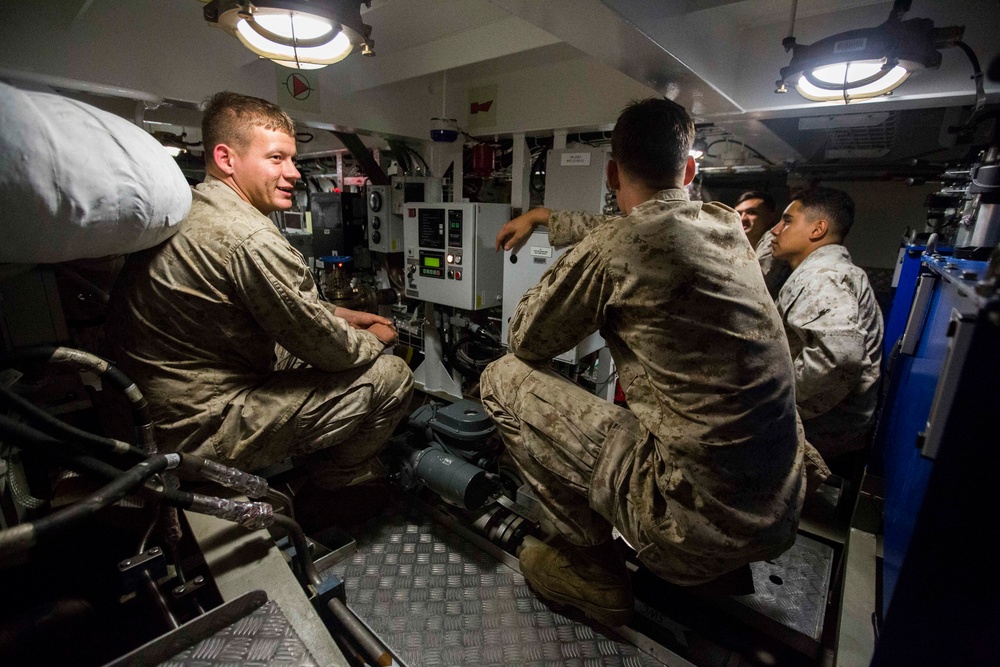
58	428
251	515
105	371
18	541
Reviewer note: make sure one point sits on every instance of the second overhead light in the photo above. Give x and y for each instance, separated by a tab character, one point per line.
865	63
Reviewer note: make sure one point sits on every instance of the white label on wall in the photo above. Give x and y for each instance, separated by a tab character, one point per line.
574	160
541	251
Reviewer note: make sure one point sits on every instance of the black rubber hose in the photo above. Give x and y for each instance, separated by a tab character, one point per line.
58	428
104	370
15	541
28	437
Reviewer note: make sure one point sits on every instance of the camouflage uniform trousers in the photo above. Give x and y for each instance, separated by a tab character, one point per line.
340	427
569	445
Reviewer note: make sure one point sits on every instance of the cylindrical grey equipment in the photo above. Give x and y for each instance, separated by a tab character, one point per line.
987	230
452	478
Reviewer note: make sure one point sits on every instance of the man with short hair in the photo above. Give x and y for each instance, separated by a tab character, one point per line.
758	215
197	319
832	319
704	472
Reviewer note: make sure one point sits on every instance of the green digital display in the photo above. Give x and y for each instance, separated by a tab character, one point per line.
432	261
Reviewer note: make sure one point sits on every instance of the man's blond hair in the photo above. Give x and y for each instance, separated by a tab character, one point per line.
229	118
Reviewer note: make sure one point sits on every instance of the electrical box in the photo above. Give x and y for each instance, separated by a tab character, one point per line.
523	269
338	222
385	228
575	180
450	253
413	189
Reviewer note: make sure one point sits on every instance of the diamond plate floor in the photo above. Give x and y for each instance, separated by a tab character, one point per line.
436	600
265	638
792	589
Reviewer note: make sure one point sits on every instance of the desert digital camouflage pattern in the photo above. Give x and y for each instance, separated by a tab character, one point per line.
776	271
706	469
834	329
196	321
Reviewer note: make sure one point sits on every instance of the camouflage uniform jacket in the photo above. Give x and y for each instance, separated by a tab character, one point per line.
197	317
776	271
675	289
834	329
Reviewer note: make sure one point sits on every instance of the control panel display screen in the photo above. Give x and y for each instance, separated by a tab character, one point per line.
431	265
455	229
430	228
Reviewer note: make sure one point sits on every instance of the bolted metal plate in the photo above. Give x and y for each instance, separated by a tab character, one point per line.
435	599
263	638
792	589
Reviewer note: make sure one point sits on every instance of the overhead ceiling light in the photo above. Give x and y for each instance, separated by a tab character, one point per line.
866	63
301	34
698	149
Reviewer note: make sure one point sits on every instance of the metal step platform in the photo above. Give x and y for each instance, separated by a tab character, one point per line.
438	594
436	599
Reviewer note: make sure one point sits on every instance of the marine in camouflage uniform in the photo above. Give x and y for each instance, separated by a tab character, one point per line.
834	329
776	271
197	320
705	471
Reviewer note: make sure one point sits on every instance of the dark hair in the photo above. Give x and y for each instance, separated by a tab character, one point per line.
835	205
767	199
229	118
651	141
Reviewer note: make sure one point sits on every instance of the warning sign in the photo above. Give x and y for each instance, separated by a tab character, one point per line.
297	90
482	107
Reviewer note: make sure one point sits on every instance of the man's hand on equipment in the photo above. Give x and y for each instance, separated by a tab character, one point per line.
514	233
360	319
384	333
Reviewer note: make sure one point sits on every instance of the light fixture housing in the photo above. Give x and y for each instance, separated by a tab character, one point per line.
300	34
865	63
698	148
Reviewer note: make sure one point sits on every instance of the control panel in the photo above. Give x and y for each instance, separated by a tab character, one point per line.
450	253
385	228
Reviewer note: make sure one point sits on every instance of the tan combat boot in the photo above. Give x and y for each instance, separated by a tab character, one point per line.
594	579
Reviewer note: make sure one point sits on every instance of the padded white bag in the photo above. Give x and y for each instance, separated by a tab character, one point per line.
79	182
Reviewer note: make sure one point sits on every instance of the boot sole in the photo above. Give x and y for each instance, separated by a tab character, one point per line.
604	615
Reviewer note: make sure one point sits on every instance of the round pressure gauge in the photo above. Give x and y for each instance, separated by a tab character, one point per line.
375	201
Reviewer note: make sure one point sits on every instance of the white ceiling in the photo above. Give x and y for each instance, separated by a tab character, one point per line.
556	64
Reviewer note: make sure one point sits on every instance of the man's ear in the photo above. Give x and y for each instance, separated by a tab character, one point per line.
820	229
690	169
614	179
224	157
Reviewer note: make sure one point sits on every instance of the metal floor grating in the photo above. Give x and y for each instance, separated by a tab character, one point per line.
264	638
435	599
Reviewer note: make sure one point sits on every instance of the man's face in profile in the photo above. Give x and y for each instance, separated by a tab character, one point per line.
756	219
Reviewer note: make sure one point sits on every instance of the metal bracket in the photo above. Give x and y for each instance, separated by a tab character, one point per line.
132	569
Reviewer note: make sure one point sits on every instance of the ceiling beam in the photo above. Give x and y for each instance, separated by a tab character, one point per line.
600	32
494	40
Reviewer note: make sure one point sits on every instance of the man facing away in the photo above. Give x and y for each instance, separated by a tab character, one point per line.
758	215
196	321
832	319
704	472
